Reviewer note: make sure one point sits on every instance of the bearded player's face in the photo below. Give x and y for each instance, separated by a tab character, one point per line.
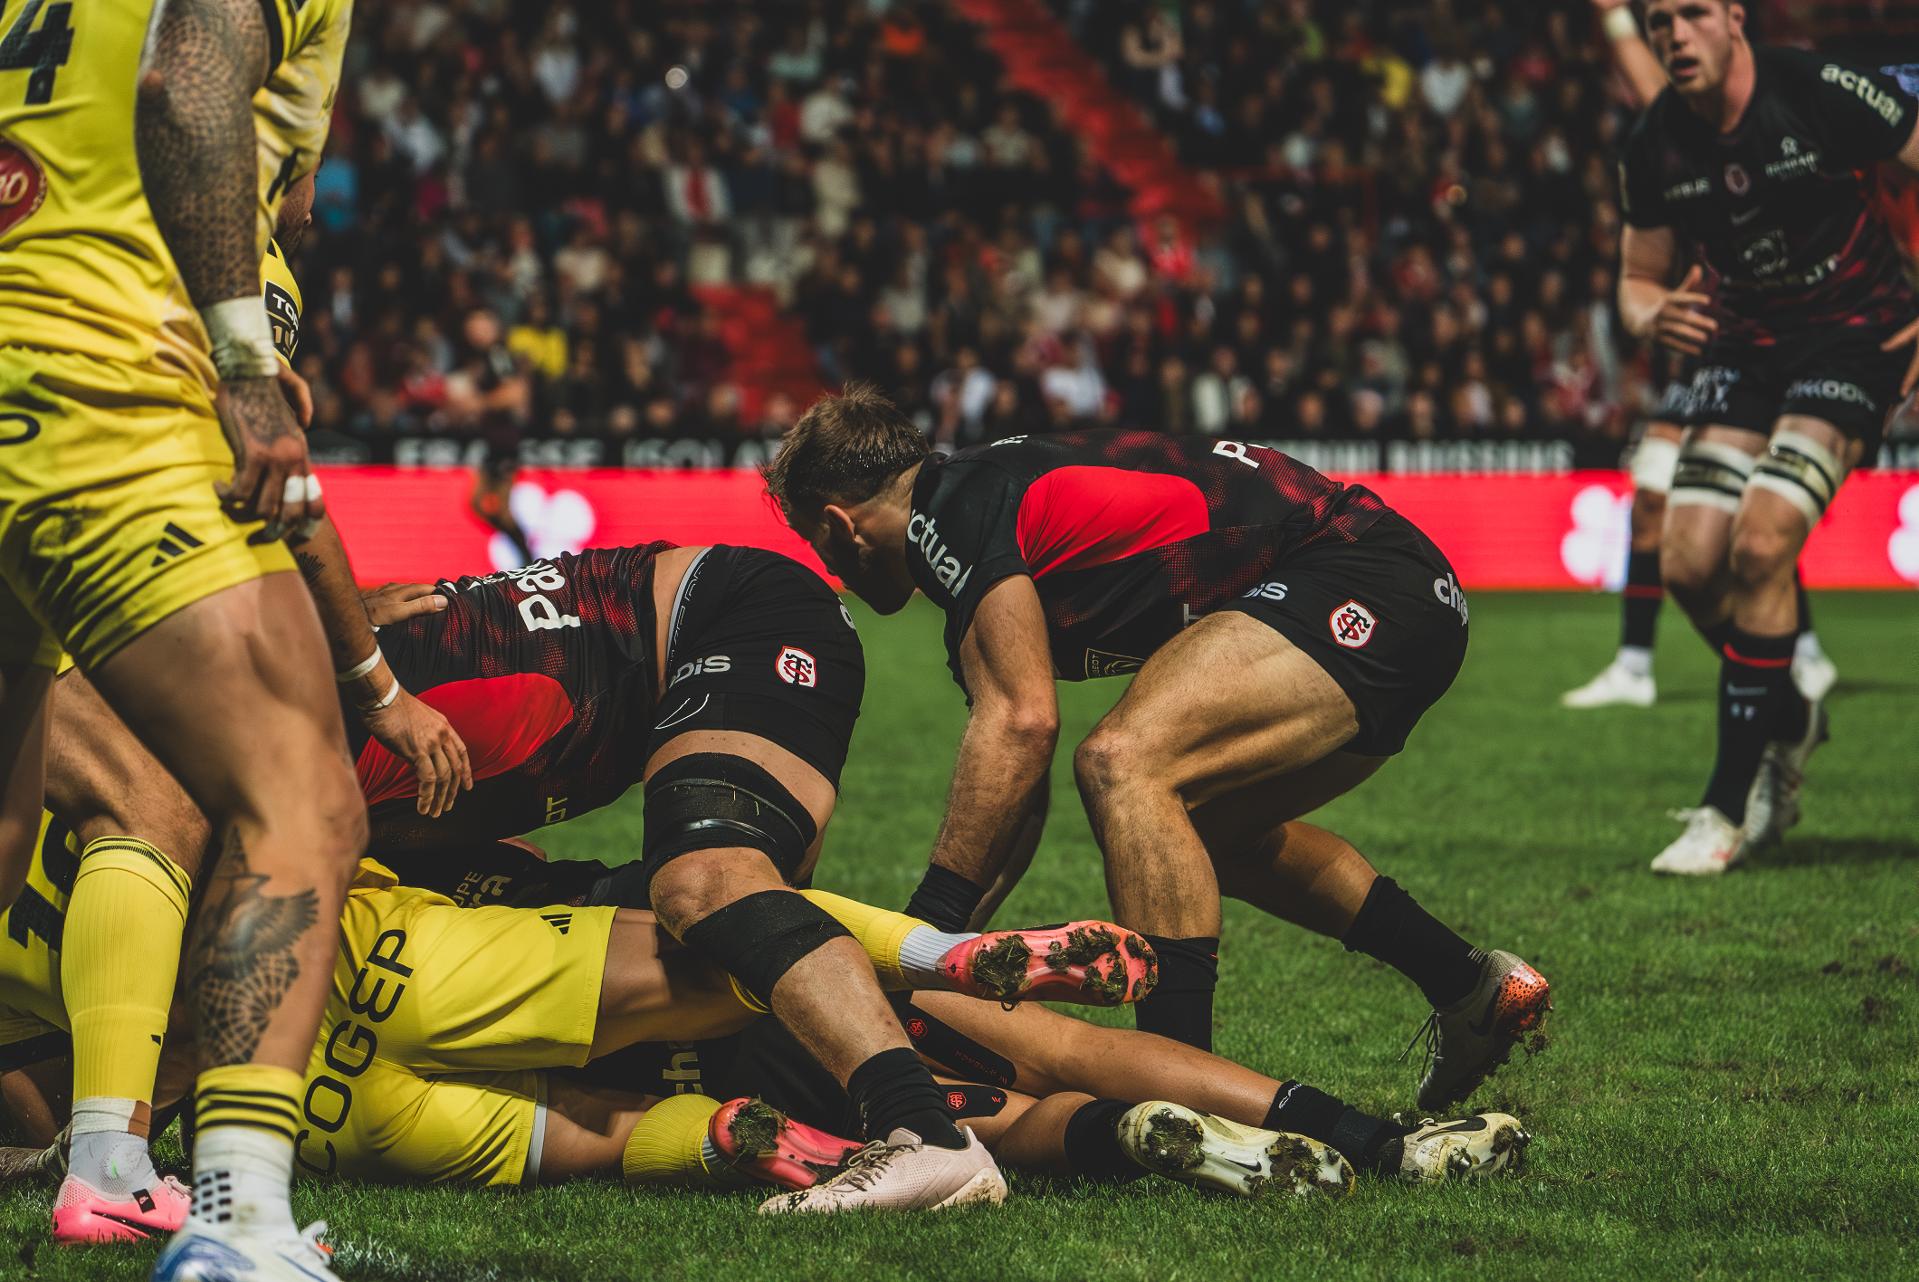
1694	40
861	562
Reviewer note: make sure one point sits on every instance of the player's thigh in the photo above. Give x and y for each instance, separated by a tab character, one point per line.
800	790
1028	1045
367	1119
26	711
104	782
1248	821
234	695
1182	726
1805	463
442	988
1714	465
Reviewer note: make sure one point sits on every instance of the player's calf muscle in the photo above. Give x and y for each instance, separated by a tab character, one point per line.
262	938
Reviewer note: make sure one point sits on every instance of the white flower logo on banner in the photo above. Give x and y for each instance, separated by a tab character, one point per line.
1902	549
562	521
1594	550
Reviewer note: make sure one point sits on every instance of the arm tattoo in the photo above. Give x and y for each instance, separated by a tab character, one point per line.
193	133
242	961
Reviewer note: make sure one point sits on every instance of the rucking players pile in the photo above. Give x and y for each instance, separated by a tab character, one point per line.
155	496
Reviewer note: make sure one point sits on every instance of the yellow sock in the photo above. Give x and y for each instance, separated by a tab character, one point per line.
119	951
668	1144
881	932
255	1097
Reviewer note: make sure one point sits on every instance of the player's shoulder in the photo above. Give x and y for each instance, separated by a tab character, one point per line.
1654	126
297	22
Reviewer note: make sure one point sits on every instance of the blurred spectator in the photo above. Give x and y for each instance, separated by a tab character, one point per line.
526	211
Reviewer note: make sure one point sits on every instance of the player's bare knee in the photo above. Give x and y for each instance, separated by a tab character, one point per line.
1109	759
1762	555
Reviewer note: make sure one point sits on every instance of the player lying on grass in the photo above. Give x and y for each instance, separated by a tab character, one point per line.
1287	633
439	1017
725	682
430	1063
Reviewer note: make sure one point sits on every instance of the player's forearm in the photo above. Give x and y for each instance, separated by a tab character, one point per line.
1640	298
193	134
998	786
1636	60
349	632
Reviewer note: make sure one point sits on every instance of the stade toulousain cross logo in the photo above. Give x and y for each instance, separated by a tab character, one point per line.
1353	625
796	667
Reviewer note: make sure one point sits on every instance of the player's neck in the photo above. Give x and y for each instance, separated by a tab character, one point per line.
1725	107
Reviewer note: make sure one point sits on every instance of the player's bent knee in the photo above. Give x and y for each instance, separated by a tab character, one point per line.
1109	758
1762	554
711	801
761	937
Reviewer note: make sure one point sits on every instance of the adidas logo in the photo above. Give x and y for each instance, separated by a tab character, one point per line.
174	541
561	922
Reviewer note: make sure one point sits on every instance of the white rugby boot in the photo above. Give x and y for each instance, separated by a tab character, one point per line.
1473	1148
1616	686
1214	1153
207	1252
1710	845
902	1173
1772	806
1470	1040
1812	671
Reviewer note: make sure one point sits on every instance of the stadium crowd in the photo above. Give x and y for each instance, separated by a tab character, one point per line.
547	188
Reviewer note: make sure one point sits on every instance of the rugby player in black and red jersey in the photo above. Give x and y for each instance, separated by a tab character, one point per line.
1749	164
1287	632
726	681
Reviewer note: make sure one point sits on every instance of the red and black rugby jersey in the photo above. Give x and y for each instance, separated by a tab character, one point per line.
1128	536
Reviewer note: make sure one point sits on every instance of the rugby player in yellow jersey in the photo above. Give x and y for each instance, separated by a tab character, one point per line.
137	374
435	1067
431	1061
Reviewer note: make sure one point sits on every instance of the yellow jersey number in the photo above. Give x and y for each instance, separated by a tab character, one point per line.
41	50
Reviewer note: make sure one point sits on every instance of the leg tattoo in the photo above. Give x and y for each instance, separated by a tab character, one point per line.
242	961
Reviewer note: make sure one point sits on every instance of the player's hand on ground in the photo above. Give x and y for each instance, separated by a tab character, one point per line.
299	395
1905	337
398	602
424	739
272	480
1682	323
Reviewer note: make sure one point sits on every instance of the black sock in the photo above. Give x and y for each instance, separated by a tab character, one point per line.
944	900
1639	611
1392	927
1092	1142
1716	636
1181	1004
1757	703
1363	1138
894	1089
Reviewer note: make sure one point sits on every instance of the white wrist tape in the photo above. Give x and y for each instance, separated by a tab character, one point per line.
242	338
361	668
392	693
1619	23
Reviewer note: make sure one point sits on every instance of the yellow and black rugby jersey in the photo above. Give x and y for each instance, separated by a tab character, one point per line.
82	266
30	930
283	301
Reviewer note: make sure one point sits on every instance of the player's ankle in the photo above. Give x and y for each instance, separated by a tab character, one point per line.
893	1090
115	1163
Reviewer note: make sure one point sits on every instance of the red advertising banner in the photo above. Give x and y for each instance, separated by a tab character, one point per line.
1516	532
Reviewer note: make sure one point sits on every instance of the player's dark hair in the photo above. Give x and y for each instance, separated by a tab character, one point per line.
845	449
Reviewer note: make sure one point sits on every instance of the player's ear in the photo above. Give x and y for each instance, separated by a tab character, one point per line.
838	525
1736	18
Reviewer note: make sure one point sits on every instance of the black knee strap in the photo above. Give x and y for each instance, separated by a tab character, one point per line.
759	938
713	800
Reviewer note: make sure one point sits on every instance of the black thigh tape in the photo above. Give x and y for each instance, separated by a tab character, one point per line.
759	938
714	800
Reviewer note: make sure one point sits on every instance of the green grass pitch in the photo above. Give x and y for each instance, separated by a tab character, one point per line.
1731	1090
